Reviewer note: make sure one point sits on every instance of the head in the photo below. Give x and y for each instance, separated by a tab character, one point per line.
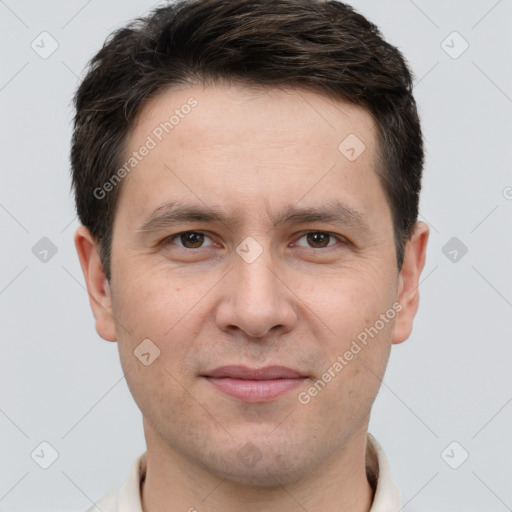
283	137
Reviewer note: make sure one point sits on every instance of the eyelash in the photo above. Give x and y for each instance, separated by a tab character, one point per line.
341	240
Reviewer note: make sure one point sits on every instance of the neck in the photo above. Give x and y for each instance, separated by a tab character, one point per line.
176	483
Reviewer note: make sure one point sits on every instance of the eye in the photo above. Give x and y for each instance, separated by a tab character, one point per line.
187	239
196	239
319	239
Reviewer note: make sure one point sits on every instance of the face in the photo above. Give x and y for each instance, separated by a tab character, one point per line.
253	233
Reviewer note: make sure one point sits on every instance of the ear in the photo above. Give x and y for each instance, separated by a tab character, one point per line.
96	282
408	282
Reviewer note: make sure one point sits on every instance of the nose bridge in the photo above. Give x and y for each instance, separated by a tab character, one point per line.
257	283
259	300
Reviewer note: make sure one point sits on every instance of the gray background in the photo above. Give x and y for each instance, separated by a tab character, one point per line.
451	381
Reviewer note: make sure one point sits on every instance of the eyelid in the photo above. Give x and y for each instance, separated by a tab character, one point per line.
341	239
169	239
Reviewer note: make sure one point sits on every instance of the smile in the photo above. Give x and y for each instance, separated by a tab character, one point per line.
255	385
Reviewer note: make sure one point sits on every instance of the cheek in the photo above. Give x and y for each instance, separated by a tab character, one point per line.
155	307
351	301
154	303
151	343
360	315
352	376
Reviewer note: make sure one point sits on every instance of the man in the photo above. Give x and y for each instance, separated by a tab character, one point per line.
247	175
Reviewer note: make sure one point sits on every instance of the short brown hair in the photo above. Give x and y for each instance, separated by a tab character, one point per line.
322	46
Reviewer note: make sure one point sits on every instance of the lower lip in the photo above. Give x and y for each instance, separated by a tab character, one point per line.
255	390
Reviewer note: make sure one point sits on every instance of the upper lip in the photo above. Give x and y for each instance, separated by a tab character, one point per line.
245	373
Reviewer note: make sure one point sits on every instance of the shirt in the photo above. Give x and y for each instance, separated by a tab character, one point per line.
387	496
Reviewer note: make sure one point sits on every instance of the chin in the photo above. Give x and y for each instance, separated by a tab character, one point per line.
268	477
260	469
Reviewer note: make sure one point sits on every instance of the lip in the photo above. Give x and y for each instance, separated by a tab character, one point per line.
255	385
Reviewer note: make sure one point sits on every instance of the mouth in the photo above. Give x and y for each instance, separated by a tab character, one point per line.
255	385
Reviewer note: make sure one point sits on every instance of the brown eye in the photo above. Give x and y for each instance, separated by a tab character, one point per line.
192	239
318	239
186	240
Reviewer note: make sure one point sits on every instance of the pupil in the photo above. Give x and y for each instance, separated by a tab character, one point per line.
319	238
194	239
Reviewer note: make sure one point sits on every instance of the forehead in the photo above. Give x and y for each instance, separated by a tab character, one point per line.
217	110
201	140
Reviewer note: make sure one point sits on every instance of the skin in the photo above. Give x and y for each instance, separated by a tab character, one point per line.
249	152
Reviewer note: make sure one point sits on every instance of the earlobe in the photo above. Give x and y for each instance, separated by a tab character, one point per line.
408	282
97	285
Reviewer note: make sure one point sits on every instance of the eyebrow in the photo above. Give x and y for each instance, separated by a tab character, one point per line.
174	212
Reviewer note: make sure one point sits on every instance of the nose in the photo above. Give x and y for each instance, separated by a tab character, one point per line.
256	299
